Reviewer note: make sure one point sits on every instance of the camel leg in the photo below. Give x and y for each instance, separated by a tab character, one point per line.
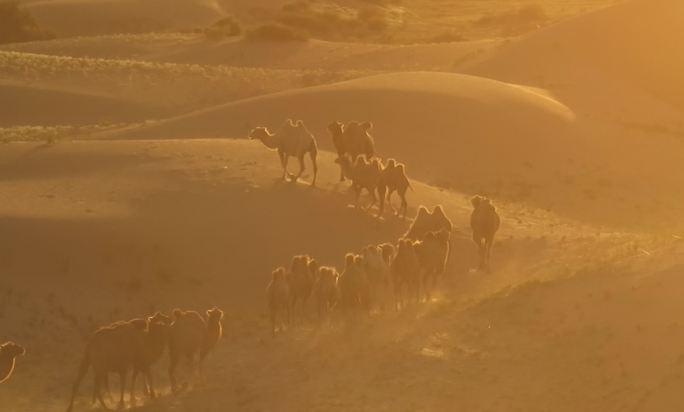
480	248
315	166
134	401
281	155
104	386
98	383
172	371
287	160
341	174
488	246
148	378
389	200
357	191
404	203
372	193
203	354
381	195
122	378
302	167
426	286
273	316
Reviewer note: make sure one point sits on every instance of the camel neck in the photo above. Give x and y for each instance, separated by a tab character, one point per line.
6	366
271	141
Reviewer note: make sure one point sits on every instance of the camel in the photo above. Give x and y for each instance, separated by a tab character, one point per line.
376	263
156	330
9	351
365	175
326	291
394	175
112	348
405	269
358	141
303	273
353	140
484	221
155	341
354	284
290	140
426	221
277	295
189	334
432	254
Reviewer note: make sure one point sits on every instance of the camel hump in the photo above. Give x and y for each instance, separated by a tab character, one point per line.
366	125
300	123
177	313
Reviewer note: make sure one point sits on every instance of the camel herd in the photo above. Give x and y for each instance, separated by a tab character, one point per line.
418	258
356	156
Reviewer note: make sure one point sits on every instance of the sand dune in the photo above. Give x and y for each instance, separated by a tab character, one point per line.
38	106
110	219
314	54
461	113
87	18
476	135
623	61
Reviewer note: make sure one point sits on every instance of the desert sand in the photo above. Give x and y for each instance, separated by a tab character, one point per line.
155	199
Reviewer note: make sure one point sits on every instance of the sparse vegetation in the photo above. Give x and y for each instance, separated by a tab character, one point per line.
515	21
447	37
275	32
17	24
184	87
225	27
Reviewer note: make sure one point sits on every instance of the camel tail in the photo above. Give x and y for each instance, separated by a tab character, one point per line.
82	370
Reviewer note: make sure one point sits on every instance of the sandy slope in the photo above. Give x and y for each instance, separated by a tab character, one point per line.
87	18
39	106
477	135
623	62
145	225
314	54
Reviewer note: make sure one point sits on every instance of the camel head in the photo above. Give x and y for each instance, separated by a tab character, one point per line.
158	328
258	133
476	200
313	265
160	317
349	261
387	251
336	128
11	350
215	315
278	274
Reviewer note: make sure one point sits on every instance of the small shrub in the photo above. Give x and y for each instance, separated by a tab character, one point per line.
17	24
296	6
369	12
225	27
383	2
524	15
377	24
447	37
275	32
